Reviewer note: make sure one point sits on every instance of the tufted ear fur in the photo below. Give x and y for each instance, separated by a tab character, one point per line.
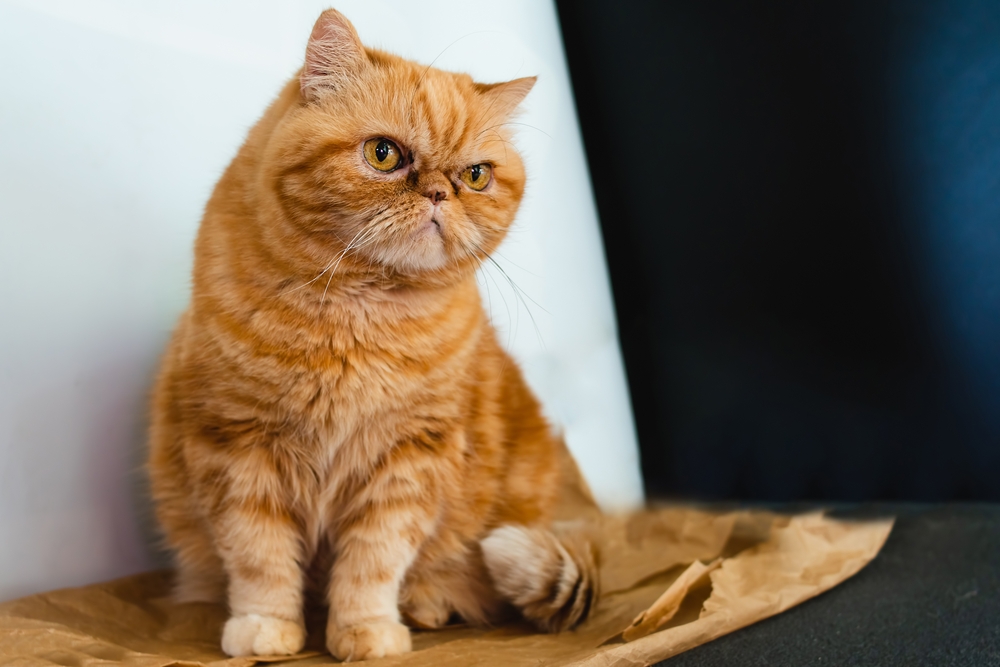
503	98
333	54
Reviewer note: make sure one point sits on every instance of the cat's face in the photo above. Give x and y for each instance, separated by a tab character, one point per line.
397	165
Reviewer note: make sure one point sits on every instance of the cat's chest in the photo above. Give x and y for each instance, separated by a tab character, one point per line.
381	362
356	363
337	373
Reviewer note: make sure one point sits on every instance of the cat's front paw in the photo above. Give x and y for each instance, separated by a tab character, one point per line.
254	634
368	640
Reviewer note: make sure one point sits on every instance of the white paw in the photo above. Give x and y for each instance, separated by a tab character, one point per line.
368	640
254	634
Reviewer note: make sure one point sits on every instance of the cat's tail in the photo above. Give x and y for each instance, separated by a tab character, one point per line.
552	580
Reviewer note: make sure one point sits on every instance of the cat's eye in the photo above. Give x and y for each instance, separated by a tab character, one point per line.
478	176
383	154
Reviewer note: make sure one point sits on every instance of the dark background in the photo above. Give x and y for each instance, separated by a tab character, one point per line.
800	205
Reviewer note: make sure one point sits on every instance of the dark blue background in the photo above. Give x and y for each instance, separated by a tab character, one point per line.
801	209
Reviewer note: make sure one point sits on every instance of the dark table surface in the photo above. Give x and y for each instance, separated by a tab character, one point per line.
931	597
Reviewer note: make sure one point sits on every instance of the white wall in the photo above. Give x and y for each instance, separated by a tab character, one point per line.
116	118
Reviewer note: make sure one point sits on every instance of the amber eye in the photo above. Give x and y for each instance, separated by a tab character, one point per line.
383	154
478	176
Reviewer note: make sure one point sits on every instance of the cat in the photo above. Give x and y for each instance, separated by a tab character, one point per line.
334	409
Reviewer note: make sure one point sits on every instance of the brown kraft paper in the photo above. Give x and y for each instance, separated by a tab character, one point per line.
672	579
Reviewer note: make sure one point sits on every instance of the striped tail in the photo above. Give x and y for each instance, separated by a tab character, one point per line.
552	580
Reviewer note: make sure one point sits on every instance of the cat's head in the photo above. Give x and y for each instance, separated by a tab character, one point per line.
397	167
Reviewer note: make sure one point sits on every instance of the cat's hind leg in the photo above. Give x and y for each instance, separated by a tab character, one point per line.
199	575
423	601
450	578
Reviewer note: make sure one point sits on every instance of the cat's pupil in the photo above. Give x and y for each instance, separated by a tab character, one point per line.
382	151
477	171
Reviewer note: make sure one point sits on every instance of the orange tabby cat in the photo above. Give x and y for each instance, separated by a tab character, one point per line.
334	407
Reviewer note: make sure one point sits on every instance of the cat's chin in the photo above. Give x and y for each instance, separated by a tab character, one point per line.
432	260
424	252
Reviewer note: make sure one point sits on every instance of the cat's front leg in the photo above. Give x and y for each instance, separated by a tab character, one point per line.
261	552
387	523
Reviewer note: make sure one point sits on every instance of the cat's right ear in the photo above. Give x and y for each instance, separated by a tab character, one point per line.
333	55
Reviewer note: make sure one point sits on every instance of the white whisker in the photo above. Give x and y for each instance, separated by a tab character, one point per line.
366	237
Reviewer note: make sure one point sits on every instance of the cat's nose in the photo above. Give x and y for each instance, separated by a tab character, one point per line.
436	193
434	185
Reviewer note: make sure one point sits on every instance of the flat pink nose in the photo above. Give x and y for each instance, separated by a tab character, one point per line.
434	185
436	194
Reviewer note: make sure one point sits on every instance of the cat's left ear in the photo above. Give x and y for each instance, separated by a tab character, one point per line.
503	98
334	54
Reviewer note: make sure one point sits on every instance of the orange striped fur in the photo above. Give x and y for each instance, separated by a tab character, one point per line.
334	408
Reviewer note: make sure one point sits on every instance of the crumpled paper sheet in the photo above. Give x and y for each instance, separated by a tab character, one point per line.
768	563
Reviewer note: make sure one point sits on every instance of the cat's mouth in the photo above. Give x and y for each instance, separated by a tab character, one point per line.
432	226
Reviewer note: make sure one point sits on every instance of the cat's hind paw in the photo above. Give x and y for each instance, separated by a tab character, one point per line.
427	616
424	607
254	634
369	640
